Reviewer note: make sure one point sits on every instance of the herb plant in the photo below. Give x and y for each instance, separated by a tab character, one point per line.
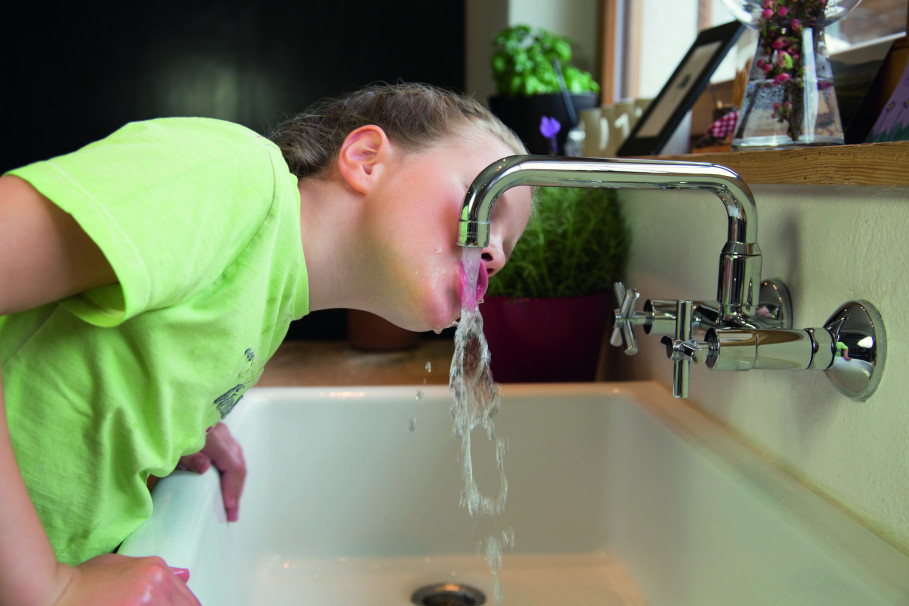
522	63
575	244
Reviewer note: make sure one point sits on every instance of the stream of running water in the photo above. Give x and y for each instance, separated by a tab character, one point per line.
475	400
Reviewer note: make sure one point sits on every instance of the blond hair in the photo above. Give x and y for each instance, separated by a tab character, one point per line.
414	116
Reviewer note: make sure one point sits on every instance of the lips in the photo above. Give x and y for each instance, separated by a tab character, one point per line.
470	296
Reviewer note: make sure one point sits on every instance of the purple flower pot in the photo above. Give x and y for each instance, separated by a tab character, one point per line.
546	340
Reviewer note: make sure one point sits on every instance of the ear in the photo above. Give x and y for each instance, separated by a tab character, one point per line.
361	155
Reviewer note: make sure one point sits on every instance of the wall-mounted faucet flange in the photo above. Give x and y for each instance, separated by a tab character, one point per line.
774	305
861	349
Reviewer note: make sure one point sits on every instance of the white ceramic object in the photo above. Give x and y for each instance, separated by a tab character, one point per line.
618	494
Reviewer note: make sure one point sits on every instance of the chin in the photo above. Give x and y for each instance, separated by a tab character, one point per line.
435	312
437	321
411	320
436	325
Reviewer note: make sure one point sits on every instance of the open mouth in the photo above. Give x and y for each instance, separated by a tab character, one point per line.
472	294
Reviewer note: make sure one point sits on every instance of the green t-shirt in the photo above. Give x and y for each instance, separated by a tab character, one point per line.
200	220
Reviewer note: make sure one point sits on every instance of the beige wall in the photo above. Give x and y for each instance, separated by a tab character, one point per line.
829	245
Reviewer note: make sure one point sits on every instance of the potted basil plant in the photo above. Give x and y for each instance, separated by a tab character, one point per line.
546	312
526	63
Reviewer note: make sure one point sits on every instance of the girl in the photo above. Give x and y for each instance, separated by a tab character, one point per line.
148	277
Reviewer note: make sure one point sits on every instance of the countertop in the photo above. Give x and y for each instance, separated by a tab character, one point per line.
319	363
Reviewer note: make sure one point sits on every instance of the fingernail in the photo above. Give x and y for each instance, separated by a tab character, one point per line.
230	508
181	573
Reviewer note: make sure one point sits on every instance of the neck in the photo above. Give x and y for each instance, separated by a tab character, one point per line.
329	218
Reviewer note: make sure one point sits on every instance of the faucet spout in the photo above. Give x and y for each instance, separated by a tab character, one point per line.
740	259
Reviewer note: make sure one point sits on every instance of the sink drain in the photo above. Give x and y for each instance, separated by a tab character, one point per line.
448	594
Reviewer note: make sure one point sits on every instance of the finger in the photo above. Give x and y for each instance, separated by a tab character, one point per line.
222	448
187	597
231	489
181	594
227	456
198	462
180	573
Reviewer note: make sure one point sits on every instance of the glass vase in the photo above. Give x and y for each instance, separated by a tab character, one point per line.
790	100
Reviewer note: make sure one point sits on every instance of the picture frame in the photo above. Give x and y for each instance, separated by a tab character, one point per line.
858	78
893	122
664	114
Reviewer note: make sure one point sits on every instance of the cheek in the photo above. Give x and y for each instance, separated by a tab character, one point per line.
515	230
425	294
430	260
440	291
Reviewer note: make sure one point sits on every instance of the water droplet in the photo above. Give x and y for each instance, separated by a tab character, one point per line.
428	367
508	537
413	424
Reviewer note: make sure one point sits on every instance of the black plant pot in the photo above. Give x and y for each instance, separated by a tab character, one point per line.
524	114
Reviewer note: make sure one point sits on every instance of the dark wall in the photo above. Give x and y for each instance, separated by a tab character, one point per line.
71	73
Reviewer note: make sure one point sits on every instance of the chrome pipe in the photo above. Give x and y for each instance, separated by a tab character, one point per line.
660	317
733	349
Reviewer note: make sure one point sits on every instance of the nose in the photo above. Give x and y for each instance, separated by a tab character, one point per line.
493	257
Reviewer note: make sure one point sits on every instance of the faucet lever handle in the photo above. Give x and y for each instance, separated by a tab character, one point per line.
623	332
681	349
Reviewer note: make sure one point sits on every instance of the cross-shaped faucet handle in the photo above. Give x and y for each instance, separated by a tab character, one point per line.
623	332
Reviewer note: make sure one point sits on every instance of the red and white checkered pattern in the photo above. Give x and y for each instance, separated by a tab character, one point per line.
723	127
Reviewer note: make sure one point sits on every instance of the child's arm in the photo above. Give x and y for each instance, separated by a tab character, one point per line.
45	256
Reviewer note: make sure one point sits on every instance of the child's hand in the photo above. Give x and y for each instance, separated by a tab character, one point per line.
225	453
115	580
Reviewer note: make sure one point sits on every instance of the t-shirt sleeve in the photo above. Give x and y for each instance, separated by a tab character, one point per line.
170	202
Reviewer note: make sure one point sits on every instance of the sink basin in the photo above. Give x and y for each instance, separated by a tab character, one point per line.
617	494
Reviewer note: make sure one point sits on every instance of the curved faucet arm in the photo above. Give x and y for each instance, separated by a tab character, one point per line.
739	275
551	171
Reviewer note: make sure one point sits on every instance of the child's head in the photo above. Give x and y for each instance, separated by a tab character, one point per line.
396	162
413	116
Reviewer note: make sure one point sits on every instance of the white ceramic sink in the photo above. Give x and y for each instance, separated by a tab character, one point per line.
618	494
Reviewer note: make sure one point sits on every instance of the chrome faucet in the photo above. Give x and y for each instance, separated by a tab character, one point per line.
748	315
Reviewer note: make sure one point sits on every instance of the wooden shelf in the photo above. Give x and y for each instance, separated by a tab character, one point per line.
881	164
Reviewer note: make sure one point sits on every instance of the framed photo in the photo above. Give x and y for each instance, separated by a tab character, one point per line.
859	79
687	82
893	123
